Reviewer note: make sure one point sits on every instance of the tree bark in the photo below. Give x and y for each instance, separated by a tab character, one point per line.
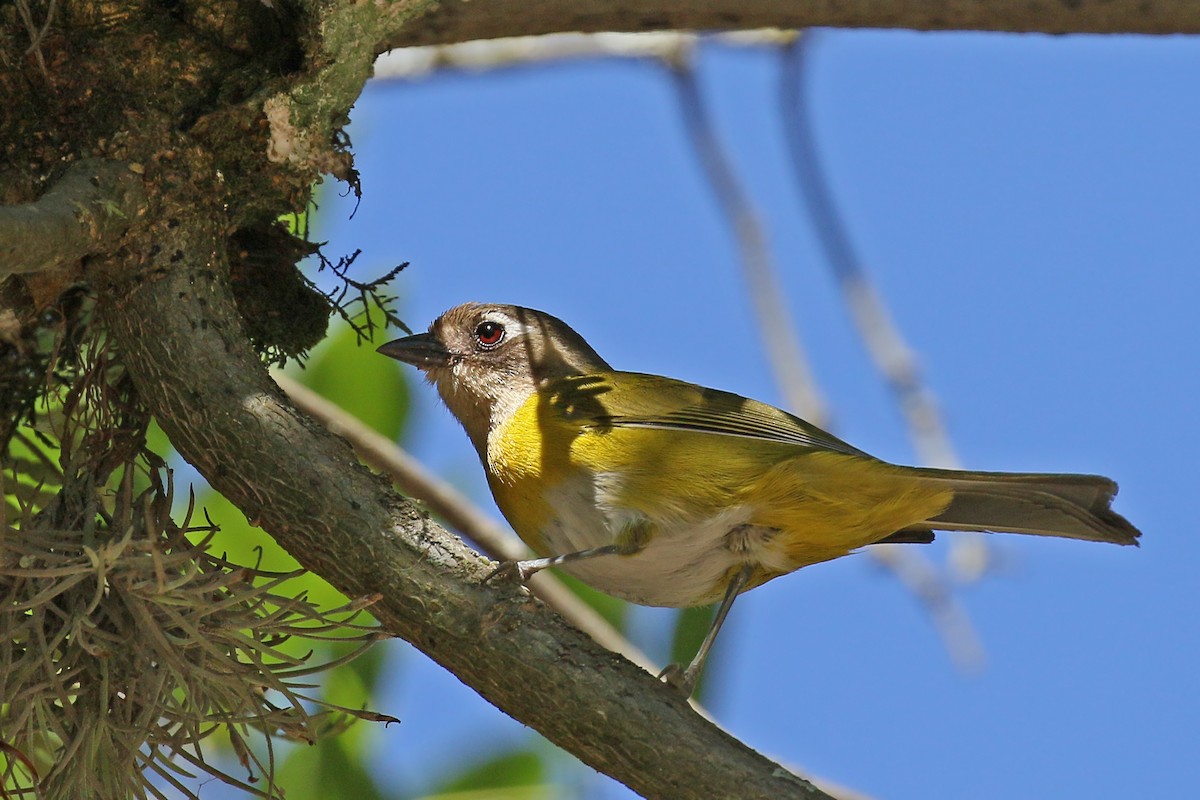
461	20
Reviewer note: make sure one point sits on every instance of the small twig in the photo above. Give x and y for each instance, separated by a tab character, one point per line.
777	331
369	297
85	212
458	511
37	32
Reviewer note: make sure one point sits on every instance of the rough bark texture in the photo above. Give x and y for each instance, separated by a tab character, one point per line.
232	109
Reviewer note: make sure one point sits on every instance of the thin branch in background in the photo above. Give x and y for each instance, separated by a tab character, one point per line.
925	581
889	352
776	329
37	32
458	511
883	340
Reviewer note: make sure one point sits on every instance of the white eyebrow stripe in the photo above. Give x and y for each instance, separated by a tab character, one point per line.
513	325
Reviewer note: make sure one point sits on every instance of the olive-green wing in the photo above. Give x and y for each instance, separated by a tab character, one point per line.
633	400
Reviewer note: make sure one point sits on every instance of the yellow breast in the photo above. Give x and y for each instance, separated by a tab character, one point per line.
528	455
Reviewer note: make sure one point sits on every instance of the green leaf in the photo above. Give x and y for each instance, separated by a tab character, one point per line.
297	223
157	441
518	774
333	768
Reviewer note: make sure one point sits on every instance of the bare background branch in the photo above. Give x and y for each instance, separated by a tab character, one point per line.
892	356
920	576
889	352
777	331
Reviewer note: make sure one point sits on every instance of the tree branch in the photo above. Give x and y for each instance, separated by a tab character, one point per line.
85	212
463	20
786	356
188	357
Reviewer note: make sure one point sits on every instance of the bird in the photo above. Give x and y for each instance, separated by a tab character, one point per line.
666	493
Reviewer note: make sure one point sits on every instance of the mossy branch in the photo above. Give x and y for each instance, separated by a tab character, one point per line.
85	212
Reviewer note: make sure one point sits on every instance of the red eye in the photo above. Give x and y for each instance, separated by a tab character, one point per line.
489	334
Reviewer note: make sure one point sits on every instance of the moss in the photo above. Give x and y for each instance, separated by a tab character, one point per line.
283	314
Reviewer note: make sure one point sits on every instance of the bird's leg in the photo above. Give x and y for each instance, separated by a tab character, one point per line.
684	679
632	539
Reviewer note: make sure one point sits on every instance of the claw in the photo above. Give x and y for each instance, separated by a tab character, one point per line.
507	570
683	680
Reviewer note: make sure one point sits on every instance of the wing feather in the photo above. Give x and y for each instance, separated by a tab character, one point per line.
634	400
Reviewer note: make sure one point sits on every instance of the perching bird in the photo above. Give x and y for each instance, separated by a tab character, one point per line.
665	493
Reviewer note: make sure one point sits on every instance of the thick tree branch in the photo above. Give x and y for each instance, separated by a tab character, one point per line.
463	20
188	356
85	212
305	115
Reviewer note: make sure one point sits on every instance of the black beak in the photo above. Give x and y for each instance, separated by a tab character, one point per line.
422	351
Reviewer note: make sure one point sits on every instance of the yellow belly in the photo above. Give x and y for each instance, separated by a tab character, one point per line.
713	503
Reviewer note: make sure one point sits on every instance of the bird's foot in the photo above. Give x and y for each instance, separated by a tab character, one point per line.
521	571
682	679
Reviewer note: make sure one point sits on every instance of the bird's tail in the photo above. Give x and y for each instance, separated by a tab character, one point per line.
1071	506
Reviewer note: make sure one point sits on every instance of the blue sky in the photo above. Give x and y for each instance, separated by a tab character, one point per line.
1027	206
